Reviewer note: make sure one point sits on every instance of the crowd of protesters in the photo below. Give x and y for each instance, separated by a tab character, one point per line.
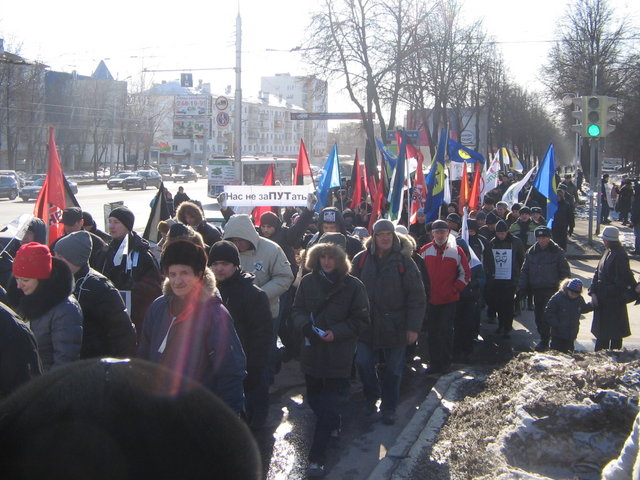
210	303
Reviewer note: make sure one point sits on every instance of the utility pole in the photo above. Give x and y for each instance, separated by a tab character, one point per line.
237	141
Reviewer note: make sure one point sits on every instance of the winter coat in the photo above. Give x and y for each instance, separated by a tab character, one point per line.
448	270
210	234
476	284
610	281
635	207
55	317
341	307
251	313
544	267
627	465
19	359
203	346
353	245
564	218
265	260
563	314
624	198
140	275
397	299
524	231
107	328
512	243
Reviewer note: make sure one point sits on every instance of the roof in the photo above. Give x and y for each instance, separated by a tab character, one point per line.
102	72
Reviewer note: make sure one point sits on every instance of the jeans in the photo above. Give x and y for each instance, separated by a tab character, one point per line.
502	293
440	328
394	361
326	397
465	329
604	214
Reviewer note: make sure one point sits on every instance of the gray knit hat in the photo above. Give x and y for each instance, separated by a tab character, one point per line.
383	225
75	247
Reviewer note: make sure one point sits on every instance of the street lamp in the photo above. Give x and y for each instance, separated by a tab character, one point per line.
567	100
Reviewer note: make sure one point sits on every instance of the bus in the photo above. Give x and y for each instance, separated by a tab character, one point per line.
221	172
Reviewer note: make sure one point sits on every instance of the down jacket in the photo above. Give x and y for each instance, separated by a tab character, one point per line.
397	299
265	260
341	307
563	314
55	317
204	346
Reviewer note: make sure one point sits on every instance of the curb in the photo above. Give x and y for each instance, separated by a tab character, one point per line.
421	431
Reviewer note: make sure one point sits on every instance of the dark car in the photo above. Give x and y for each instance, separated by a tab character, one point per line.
32	191
142	179
186	175
115	181
8	187
29	179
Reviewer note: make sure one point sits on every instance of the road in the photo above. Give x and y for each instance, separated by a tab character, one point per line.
93	198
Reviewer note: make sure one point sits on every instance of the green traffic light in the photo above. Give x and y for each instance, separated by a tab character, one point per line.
593	130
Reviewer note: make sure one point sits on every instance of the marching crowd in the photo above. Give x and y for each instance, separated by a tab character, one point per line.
210	303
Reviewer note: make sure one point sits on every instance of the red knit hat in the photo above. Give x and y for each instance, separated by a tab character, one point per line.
33	260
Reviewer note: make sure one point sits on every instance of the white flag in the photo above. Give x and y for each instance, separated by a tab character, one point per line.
490	176
511	195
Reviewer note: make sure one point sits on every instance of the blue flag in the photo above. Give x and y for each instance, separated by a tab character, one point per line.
460	153
545	183
435	181
397	185
389	158
329	179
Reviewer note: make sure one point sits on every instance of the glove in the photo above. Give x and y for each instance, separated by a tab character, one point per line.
312	200
307	331
222	200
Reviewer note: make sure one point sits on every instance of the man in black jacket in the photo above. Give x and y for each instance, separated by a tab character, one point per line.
545	266
251	313
107	330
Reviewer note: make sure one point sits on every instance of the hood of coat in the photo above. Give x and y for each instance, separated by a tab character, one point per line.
405	244
50	292
191	209
312	260
208	281
241	226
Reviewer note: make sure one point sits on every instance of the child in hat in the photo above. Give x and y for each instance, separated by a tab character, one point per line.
563	314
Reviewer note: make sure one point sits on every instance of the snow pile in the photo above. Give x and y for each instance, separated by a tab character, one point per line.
540	416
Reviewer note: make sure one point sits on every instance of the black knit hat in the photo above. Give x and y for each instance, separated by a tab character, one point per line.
501	226
224	251
184	252
270	218
492	218
125	216
454	218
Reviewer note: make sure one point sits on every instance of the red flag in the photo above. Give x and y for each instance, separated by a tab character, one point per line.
52	199
258	211
356	182
464	190
474	196
302	166
419	194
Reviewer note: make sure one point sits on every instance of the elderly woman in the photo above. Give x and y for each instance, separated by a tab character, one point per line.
612	287
48	305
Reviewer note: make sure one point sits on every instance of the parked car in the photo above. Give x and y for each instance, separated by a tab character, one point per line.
142	179
185	175
115	181
165	170
29	179
16	177
32	191
8	187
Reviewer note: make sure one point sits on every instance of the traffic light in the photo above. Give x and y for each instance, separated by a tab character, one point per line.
592	127
579	113
606	103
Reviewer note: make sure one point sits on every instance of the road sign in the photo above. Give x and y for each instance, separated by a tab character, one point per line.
222	103
414	135
222	119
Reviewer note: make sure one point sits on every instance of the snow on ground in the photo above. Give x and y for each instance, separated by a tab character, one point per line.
540	416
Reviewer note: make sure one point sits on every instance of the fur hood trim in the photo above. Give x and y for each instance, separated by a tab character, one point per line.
190	208
406	244
312	261
209	282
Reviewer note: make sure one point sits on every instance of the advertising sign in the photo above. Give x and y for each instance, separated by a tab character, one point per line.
186	128
271	196
192	105
221	171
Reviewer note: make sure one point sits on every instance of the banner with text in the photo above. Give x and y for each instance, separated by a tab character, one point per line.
269	196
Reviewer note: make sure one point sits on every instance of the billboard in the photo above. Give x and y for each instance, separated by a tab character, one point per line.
189	128
192	105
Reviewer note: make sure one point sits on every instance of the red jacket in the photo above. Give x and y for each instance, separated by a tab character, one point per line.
448	270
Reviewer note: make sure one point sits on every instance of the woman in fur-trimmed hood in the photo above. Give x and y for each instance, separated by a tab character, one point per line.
188	330
330	310
191	214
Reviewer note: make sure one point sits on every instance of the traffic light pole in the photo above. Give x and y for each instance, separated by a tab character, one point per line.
595	188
